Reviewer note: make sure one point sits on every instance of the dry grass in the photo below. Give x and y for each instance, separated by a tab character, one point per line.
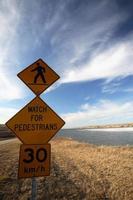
79	171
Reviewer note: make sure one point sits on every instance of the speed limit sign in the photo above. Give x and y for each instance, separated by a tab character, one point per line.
34	160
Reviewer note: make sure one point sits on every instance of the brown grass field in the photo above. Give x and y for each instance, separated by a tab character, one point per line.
78	171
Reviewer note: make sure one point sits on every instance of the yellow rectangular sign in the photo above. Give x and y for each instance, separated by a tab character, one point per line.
34	160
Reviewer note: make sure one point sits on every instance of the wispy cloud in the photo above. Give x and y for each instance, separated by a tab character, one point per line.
103	112
83	44
128	90
9	19
111	86
111	63
6	113
75	35
87	98
9	89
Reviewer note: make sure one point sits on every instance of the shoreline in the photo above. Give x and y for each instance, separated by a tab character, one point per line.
108	129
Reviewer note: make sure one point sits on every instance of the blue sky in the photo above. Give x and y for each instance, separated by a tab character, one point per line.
89	43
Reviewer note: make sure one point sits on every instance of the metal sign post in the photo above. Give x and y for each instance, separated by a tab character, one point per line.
34	189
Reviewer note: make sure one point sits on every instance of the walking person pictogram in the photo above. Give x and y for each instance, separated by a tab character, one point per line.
40	73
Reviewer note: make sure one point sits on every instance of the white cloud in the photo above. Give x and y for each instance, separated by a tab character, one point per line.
9	90
111	63
81	43
86	48
72	37
9	19
6	113
111	87
128	90
87	98
104	112
53	87
85	106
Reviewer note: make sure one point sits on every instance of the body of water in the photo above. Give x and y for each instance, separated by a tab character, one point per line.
114	137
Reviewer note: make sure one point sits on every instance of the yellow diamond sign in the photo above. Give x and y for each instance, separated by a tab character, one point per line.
38	76
36	123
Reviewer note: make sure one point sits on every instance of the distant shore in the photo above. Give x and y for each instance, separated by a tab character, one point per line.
126	125
128	129
5	133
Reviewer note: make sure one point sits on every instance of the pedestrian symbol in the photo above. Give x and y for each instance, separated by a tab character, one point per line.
38	76
40	73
